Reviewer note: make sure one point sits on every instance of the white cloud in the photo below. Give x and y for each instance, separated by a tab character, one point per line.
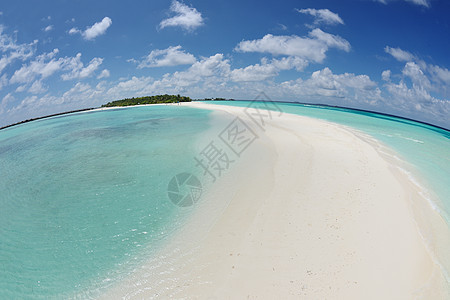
172	56
322	16
399	54
78	70
48	28
37	88
323	83
266	69
80	95
97	29
312	48
332	41
425	3
437	78
74	31
417	76
104	74
413	94
27	102
45	65
386	75
21	88
3	81
440	74
290	62
186	17
133	85
11	50
9	98
93	31
209	73
255	72
204	69
419	102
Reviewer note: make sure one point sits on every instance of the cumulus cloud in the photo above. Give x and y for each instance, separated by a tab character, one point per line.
322	16
425	3
399	54
78	96
42	66
417	101
417	76
257	72
133	85
439	77
204	69
419	87
93	31
3	81
185	17
104	74
74	31
172	56
312	47
290	62
439	74
386	75
77	68
267	69
9	98
45	65
48	28
324	83
207	73
37	87
10	50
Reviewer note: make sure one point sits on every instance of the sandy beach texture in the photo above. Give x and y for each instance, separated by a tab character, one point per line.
311	210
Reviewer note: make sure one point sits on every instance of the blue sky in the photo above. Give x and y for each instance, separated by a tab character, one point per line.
384	55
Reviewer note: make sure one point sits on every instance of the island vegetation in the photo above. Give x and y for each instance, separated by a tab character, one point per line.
148	100
127	102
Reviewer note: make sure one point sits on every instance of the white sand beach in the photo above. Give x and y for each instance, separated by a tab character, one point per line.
311	210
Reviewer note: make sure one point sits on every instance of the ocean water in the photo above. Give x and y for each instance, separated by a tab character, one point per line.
84	196
426	148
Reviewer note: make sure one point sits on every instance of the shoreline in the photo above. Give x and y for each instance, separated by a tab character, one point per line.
278	232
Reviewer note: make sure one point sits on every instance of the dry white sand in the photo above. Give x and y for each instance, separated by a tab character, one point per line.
311	210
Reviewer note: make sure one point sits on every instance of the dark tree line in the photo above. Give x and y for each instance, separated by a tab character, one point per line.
148	100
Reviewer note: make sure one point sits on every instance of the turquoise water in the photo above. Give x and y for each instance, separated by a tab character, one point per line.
425	147
84	196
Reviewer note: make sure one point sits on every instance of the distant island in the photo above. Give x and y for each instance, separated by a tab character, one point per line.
157	99
148	100
47	116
